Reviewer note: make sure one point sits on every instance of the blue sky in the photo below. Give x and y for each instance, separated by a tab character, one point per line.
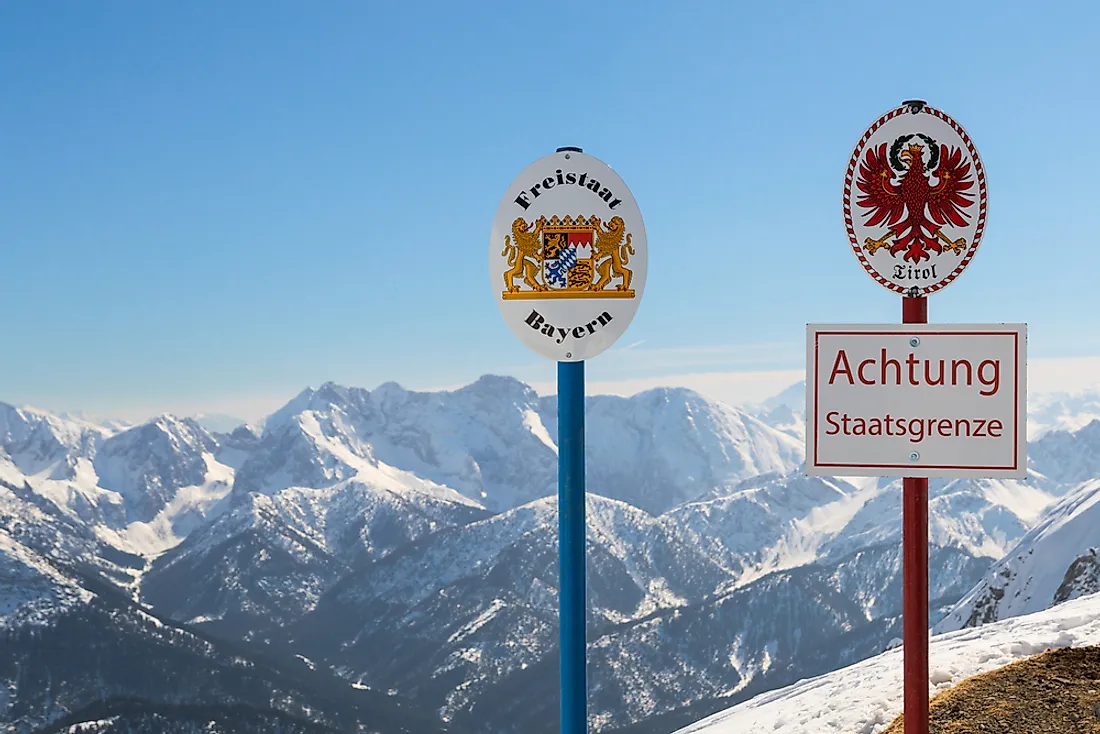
211	205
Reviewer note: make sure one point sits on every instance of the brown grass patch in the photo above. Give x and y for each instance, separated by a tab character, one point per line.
1057	692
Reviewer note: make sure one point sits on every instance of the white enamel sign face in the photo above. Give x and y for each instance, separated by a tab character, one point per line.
567	256
915	200
916	400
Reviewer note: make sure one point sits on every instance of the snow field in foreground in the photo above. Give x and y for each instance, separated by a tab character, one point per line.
864	698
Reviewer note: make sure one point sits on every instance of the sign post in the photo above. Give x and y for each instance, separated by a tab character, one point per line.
572	600
567	260
914	572
915	205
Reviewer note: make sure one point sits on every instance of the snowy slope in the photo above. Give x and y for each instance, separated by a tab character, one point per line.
142	489
775	522
363	521
168	475
494	441
484	441
463	609
766	523
1034	574
784	412
985	517
665	446
47	533
1067	457
32	590
35	441
267	559
864	698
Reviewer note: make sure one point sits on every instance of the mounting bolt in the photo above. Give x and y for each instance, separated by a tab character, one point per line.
914	456
566	148
569	355
915	105
914	342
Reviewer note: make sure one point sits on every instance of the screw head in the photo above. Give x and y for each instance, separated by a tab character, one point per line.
914	456
914	342
569	355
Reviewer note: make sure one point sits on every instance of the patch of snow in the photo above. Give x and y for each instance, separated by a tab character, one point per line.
864	698
1026	579
188	508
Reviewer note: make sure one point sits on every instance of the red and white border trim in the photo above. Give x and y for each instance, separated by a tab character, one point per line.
979	171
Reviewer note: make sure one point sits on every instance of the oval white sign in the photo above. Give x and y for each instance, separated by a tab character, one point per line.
567	256
915	200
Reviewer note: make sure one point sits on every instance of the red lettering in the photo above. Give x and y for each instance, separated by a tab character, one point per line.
897	368
863	364
841	356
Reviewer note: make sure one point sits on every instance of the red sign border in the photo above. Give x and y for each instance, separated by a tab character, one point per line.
906	332
983	201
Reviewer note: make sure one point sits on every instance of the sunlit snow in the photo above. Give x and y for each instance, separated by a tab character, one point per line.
864	698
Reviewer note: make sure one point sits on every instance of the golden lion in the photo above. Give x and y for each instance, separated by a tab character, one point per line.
612	254
523	253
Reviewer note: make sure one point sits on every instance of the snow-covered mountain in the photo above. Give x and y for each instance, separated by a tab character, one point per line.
32	591
485	441
867	696
101	657
495	442
983	516
474	610
665	446
268	558
794	397
785	412
1061	411
141	489
423	525
755	526
72	645
468	606
1067	457
1054	562
35	442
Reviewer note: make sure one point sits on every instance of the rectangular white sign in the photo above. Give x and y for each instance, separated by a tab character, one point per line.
916	400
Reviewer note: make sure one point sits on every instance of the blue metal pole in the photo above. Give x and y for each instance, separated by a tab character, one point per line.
571	551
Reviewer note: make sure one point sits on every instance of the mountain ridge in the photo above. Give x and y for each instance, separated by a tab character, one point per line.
268	537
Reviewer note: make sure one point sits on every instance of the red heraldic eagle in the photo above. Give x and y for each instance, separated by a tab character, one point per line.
913	208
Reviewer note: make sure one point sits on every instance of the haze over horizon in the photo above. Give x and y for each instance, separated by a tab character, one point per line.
1045	377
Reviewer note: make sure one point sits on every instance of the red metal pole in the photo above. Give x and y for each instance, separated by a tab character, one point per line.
915	574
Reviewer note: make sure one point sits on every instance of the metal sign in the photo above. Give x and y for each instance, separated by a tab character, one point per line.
917	400
567	256
915	200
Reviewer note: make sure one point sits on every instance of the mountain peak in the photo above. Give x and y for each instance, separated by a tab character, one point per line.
503	387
